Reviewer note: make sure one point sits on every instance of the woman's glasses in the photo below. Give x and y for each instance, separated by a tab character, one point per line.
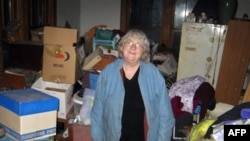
131	44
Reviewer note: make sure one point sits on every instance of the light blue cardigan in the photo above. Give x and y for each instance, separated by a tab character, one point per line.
108	103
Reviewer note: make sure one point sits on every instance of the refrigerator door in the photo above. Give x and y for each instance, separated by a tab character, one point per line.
201	51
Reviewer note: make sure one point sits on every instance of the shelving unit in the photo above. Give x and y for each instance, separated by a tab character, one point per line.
111	43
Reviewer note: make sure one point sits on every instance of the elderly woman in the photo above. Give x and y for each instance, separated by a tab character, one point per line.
131	99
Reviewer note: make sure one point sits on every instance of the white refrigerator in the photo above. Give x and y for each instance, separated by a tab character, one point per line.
201	49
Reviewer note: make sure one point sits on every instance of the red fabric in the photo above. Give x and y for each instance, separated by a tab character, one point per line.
205	93
177	106
145	127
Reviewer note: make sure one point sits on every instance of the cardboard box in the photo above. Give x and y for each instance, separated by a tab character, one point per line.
60	63
17	78
62	91
92	59
8	137
106	59
14	81
28	114
79	132
37	35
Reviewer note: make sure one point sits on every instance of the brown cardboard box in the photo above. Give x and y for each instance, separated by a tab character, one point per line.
18	78
37	35
79	132
60	62
106	59
13	81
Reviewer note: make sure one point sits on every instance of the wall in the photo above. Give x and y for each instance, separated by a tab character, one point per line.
96	12
84	14
243	7
68	11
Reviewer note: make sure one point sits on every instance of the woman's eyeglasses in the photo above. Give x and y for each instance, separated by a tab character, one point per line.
131	44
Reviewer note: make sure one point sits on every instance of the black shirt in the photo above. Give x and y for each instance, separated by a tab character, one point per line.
133	111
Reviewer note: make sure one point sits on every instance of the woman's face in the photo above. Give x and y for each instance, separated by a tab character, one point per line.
132	50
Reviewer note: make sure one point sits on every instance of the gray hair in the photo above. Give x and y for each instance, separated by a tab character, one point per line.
139	35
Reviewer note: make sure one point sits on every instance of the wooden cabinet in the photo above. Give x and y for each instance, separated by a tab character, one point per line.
234	63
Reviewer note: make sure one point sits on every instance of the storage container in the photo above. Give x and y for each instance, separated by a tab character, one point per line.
28	114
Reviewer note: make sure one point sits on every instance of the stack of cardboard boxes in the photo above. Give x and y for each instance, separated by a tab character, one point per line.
63	64
60	70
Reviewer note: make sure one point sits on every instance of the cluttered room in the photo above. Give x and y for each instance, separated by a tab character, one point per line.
51	59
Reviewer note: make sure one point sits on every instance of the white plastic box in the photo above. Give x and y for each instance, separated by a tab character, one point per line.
62	91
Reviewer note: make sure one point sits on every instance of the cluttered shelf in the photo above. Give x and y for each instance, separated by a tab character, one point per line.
23	54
